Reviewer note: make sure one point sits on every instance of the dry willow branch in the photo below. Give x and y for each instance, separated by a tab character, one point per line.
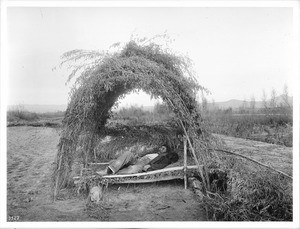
257	162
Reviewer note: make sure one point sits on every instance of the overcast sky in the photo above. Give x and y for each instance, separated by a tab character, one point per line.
237	52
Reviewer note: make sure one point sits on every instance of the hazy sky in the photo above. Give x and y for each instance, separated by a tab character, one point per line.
237	52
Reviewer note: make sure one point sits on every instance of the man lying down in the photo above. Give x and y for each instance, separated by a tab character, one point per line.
129	163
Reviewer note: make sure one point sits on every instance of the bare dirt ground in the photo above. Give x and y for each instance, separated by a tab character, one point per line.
30	155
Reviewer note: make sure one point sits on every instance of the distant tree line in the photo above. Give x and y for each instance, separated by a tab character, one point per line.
272	105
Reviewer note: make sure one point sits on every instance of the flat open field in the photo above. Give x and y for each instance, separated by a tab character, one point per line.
276	156
31	152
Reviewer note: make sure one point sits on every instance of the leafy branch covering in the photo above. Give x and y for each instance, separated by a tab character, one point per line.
106	77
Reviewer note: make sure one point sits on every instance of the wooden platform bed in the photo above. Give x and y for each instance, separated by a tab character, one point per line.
95	183
170	173
89	177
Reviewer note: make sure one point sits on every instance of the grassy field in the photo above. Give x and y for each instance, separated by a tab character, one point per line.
274	129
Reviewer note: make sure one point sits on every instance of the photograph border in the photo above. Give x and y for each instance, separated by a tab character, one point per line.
157	224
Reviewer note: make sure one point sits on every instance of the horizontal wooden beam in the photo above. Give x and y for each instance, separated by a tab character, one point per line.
99	163
171	169
146	177
148	180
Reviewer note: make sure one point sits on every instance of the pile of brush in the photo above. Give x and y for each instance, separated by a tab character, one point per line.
253	192
119	138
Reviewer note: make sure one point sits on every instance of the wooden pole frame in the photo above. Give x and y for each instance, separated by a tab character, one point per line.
206	184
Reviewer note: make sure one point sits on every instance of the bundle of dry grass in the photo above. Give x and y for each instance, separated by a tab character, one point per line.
107	77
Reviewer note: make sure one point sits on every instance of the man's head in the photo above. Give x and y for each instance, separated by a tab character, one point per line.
163	149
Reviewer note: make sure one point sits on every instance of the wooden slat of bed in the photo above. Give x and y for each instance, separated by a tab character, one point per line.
144	177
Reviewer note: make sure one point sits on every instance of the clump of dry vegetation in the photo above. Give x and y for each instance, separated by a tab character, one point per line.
253	193
120	136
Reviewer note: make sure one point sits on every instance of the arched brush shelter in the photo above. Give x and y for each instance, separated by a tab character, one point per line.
100	86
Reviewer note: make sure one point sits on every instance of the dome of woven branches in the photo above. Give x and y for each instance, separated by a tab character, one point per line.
107	78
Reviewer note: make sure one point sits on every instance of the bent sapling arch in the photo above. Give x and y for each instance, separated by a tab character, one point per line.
107	77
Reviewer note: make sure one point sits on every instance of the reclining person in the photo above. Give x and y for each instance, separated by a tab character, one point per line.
152	162
161	161
129	163
139	165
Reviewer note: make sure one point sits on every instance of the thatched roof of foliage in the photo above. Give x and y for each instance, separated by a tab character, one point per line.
104	78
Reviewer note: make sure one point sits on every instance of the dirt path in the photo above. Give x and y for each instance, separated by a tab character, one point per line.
31	152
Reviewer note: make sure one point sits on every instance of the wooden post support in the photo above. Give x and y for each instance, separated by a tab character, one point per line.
95	155
206	186
81	169
185	163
